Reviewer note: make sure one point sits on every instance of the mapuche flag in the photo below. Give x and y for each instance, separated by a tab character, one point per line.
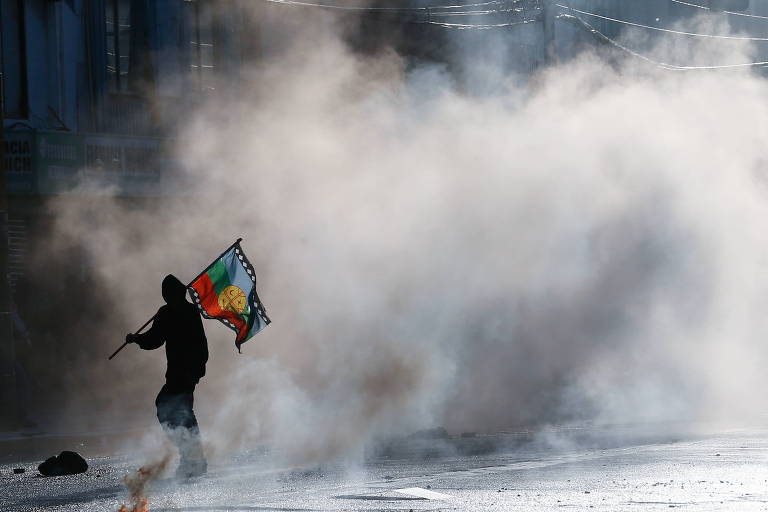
226	291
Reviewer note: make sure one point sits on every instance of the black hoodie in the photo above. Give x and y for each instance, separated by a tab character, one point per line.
179	326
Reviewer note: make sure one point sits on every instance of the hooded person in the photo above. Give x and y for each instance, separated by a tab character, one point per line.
178	325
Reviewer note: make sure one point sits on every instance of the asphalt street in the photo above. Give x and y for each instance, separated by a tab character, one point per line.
727	470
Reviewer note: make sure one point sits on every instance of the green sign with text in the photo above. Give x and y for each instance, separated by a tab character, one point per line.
52	163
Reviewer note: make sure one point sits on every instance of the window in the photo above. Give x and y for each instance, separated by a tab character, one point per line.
118	30
199	17
13	55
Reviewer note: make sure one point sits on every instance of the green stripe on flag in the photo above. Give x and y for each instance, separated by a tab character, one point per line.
219	276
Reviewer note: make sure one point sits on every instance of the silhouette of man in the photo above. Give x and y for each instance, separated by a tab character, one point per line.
179	326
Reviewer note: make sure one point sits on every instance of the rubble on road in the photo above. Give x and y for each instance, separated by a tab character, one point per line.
66	463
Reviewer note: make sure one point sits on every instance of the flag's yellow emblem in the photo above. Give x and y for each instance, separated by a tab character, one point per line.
233	299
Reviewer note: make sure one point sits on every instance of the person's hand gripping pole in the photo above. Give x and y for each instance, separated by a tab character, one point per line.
131	338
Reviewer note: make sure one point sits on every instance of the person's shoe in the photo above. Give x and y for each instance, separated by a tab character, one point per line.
187	469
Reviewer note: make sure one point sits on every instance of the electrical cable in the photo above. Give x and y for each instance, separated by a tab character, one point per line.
477	13
481	4
477	25
659	29
731	13
430	14
390	9
663	65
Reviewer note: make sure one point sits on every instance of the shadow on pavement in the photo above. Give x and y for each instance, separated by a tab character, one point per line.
230	507
373	497
73	499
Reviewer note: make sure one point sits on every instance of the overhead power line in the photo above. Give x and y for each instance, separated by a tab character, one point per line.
477	13
360	8
670	67
730	13
432	12
479	26
659	29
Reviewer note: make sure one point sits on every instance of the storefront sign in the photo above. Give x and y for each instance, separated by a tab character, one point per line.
19	161
54	163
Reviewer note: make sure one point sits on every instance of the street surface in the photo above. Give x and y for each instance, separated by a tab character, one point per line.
722	471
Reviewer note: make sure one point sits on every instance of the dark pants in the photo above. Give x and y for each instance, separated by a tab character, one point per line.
174	411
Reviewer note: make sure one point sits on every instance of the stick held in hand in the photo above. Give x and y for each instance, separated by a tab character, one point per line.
137	332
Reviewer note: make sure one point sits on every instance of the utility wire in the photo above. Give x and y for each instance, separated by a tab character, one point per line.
428	11
477	25
481	4
477	13
670	67
659	29
390	9
731	13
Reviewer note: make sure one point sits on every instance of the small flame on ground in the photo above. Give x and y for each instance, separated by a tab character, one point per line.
141	506
137	483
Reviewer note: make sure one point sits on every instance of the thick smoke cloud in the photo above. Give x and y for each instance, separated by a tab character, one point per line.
589	246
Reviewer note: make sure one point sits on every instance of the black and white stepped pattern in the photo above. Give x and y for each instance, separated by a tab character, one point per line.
252	274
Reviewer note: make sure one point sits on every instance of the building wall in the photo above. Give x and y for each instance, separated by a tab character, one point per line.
65	52
62	51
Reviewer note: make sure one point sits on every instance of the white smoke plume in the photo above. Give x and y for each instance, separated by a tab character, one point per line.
589	245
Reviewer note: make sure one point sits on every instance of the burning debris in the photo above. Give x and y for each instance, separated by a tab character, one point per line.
139	505
66	463
137	482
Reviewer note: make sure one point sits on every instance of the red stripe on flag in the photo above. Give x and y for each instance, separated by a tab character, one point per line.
208	297
209	300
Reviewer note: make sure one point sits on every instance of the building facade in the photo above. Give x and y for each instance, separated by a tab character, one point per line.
95	85
91	90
